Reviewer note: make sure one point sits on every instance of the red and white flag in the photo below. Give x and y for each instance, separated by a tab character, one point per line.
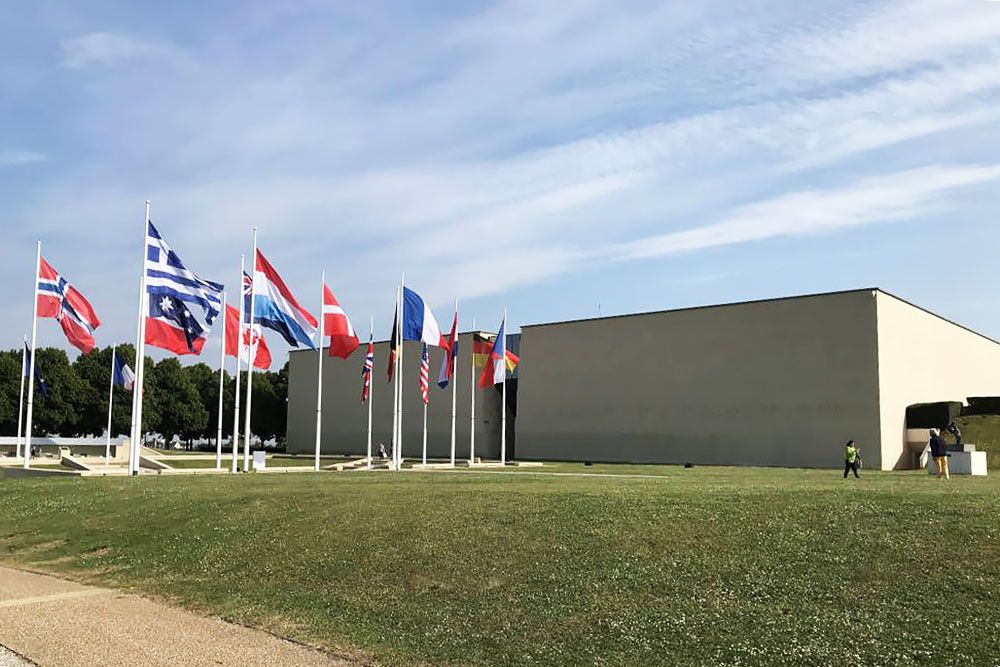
424	371
263	357
60	300
336	325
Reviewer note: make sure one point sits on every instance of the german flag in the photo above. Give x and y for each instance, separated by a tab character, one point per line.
481	349
483	346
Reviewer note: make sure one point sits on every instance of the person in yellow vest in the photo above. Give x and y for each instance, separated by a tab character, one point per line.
851	455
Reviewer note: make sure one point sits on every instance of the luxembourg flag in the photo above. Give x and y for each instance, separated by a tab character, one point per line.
276	308
418	321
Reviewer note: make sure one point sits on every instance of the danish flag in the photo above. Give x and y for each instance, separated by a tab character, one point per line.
336	325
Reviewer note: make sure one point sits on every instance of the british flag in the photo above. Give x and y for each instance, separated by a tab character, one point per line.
424	365
61	301
366	370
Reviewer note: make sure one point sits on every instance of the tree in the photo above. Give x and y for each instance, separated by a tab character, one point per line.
10	382
69	406
178	403
206	381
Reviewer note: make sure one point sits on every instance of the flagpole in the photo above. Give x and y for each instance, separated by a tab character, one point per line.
31	369
252	355
425	426
140	381
395	378
371	390
453	362
140	354
319	370
472	385
503	406
222	382
402	346
111	402
239	363
20	395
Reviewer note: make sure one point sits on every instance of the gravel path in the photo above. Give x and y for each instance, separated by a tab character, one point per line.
58	623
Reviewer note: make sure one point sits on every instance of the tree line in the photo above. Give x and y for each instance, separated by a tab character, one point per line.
178	400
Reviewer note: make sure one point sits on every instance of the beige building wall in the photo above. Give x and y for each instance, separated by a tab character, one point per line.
345	420
923	358
776	383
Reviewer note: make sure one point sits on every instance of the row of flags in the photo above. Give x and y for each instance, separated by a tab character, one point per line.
178	309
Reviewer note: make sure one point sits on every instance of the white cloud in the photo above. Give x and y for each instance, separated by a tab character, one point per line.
15	157
108	49
887	198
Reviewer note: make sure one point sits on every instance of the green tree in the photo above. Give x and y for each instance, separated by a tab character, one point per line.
94	368
10	382
68	407
177	402
206	380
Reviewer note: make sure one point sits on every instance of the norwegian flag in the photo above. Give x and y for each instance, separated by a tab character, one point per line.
424	366
336	325
61	301
366	370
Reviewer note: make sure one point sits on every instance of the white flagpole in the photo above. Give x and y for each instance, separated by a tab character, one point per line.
20	395
140	355
402	346
222	382
371	388
111	402
454	387
319	370
503	402
253	355
140	381
472	385
31	368
425	419
239	354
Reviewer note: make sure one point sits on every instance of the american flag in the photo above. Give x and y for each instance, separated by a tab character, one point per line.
366	370
424	364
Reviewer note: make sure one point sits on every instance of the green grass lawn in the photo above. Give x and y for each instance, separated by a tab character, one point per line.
274	461
709	566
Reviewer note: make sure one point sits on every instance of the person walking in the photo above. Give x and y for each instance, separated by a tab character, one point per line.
851	455
939	450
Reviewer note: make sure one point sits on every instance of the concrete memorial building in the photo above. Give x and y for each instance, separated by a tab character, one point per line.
782	382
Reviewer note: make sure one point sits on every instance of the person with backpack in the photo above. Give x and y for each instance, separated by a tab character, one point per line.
852	459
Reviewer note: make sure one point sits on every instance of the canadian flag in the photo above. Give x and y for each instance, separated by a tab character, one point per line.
336	325
263	356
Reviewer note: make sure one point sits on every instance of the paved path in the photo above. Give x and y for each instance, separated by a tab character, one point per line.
59	623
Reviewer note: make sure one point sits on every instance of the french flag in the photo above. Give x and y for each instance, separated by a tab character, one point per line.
275	306
418	321
60	300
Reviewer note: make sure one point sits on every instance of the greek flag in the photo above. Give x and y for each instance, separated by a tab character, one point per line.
166	276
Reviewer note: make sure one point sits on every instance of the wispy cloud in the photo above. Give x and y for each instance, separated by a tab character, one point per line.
15	157
888	198
108	49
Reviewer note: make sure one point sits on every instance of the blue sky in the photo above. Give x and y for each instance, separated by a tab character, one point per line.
562	159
